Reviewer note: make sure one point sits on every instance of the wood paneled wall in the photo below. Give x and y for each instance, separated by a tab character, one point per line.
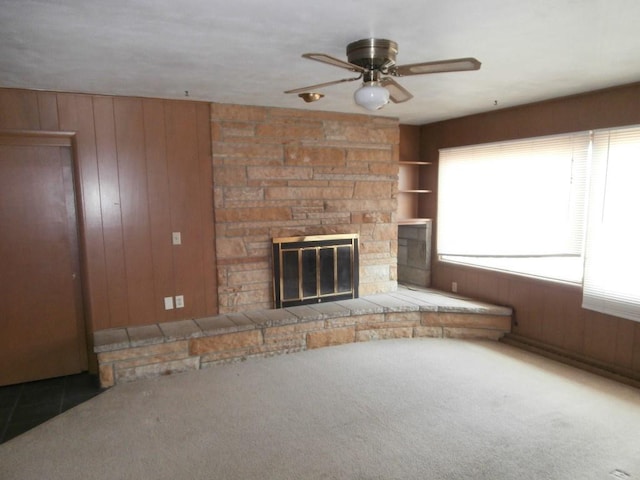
143	171
548	312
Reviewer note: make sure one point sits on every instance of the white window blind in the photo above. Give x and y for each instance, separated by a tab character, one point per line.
612	256
522	198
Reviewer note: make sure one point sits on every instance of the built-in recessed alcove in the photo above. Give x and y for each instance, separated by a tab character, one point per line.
315	269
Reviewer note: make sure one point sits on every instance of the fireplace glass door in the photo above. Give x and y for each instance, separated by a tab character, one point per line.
315	269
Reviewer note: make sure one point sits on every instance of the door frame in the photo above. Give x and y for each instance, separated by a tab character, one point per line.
45	138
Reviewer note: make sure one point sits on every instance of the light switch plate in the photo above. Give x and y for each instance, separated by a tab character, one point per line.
176	238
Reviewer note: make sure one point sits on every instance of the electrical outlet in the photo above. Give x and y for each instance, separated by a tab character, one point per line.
454	287
168	303
176	238
179	301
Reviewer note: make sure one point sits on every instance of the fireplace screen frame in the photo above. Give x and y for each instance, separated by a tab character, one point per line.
300	262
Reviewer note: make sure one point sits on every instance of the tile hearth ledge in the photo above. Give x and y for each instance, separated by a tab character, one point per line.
131	353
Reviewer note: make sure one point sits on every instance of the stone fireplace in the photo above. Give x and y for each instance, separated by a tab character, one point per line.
314	269
280	173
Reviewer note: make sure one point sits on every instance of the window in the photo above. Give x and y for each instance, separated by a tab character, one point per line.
562	207
612	258
515	206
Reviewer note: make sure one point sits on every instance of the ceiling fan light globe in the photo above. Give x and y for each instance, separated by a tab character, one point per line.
371	96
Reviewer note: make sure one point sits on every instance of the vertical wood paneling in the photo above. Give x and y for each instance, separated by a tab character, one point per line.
184	173
159	206
206	220
106	149
134	208
143	170
600	336
19	110
48	111
624	343
75	113
636	349
552	332
572	320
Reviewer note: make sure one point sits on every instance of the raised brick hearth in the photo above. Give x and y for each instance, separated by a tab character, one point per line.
127	354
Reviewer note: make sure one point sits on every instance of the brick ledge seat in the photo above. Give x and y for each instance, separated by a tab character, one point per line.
127	354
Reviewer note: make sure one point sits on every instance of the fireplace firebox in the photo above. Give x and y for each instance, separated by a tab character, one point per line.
315	269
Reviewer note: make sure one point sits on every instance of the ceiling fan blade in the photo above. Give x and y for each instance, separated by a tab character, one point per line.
321	85
397	93
336	62
453	65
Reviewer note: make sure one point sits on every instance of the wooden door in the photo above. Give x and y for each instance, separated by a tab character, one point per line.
41	323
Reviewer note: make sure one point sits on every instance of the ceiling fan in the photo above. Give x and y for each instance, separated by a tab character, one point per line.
375	61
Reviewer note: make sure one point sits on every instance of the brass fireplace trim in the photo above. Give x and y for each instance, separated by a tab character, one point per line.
318	243
317	238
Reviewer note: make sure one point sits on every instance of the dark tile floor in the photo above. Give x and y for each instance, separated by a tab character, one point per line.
26	405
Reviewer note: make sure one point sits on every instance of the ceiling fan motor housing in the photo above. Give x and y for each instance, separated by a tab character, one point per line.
373	54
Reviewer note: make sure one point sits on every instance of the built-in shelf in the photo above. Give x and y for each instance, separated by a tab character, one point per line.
409	192
411	180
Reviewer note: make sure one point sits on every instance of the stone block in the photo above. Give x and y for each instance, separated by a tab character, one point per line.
216	325
229	341
314	156
280	173
306	314
387	169
266	214
470	333
145	351
291	131
241	320
375	189
360	306
331	309
272	317
230	176
286	342
107	378
293	329
215	358
243	113
180	330
230	247
307	193
150	359
248	153
334	336
384	333
157	369
470	320
355	319
145	335
237	129
432	332
385	325
112	339
378	155
392	304
242	194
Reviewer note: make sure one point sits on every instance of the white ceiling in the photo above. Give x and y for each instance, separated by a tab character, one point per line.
248	51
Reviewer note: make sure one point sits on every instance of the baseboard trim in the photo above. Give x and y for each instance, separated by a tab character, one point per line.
613	372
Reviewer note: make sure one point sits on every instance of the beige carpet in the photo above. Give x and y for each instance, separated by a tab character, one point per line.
395	409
